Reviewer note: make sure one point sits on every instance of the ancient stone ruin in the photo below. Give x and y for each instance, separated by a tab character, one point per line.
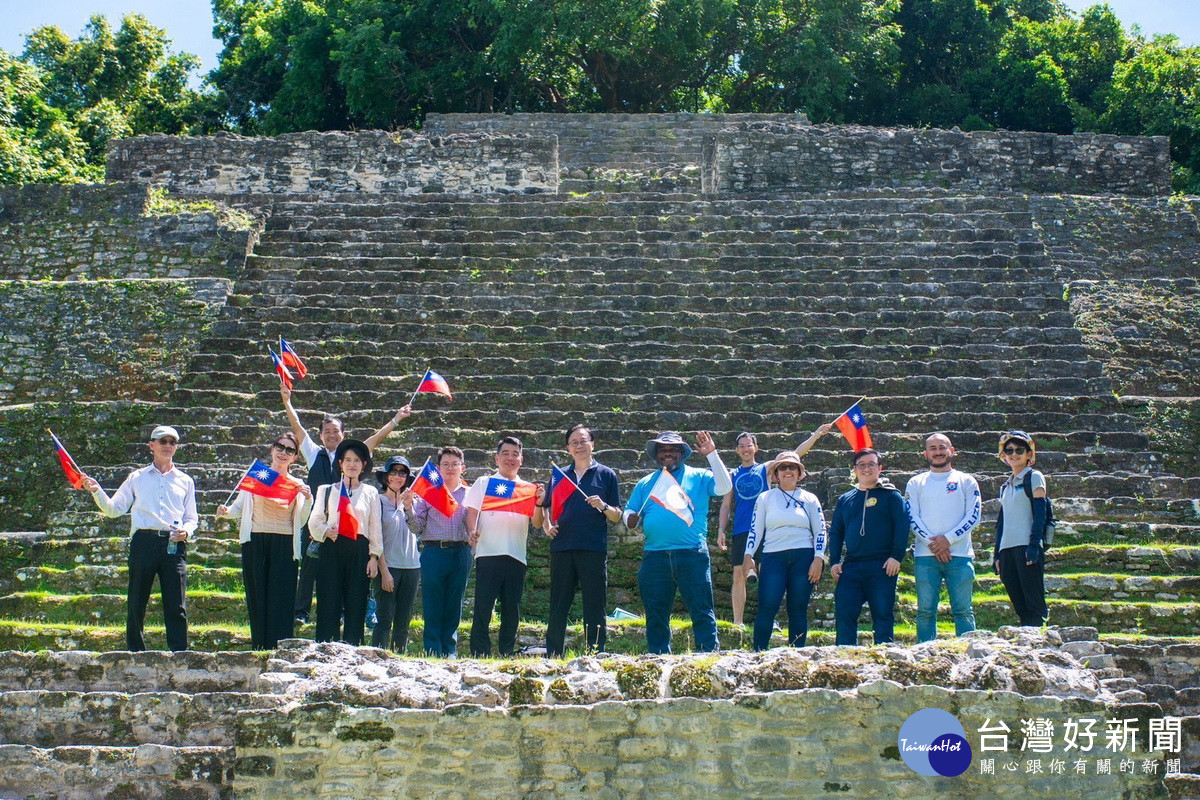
728	273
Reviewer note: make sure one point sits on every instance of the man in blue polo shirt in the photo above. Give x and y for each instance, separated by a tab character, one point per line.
671	504
579	550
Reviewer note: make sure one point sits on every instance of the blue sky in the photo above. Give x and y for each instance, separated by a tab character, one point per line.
189	22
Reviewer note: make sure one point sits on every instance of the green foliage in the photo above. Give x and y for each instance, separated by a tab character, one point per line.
65	99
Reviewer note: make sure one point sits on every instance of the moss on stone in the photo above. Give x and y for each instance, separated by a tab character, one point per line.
1028	678
931	671
638	680
366	732
525	692
828	675
781	674
692	678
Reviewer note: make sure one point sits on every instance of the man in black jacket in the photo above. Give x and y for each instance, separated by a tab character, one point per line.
870	521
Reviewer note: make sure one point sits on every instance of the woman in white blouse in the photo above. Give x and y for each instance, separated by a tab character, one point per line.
788	523
346	561
269	533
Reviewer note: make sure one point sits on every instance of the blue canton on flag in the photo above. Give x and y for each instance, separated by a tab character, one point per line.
431	474
498	487
856	416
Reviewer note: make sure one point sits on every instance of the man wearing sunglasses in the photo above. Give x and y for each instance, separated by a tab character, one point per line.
161	502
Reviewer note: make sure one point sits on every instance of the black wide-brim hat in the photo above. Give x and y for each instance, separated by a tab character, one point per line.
359	448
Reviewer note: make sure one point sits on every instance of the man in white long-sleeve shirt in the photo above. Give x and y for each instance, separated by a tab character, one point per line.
161	503
943	507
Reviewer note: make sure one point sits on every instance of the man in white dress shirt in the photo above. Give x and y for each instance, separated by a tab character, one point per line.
161	502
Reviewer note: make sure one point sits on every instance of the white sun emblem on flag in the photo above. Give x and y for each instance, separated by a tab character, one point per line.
857	419
262	475
433	478
501	489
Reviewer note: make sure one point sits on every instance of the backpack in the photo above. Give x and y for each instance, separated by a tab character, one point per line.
1051	522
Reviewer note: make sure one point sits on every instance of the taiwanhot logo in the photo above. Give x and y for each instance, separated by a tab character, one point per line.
933	742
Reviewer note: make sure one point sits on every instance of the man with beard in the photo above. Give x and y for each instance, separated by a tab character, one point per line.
943	508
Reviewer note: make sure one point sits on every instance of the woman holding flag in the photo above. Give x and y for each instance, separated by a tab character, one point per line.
272	506
346	522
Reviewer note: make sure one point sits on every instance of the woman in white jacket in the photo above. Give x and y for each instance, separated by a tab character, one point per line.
269	533
788	523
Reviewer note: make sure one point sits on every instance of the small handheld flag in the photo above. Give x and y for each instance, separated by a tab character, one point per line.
432	382
69	468
290	360
670	495
505	495
266	482
430	487
853	426
347	522
561	488
284	375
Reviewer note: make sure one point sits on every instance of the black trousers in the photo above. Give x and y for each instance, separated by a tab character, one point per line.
586	570
308	576
497	578
394	609
1025	585
148	557
269	573
342	589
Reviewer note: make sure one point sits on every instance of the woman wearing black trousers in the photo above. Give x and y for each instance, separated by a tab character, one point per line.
347	558
269	533
1020	558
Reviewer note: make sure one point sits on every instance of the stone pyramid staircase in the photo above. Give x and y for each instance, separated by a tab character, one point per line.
649	311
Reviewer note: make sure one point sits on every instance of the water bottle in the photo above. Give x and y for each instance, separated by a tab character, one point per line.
314	549
172	545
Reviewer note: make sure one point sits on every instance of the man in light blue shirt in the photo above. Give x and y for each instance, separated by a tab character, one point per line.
671	505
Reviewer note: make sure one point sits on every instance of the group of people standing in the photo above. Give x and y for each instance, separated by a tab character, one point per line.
400	544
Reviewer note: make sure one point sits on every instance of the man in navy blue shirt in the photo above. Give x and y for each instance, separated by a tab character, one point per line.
579	550
871	522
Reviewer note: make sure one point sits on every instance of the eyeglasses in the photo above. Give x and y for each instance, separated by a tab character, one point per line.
578	442
169	442
867	465
1016	450
398	472
283	448
791	467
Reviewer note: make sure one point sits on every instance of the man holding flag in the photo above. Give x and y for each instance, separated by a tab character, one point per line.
671	505
583	500
498	511
161	503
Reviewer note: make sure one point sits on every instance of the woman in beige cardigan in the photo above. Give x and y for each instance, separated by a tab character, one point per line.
269	533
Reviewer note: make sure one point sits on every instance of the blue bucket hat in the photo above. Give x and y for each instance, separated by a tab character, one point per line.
667	437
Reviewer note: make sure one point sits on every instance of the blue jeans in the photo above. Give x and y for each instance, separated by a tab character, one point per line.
444	573
783	572
959	574
864	582
661	572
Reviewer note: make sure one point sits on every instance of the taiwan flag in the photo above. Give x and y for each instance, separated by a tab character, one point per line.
430	487
266	482
347	522
561	488
284	375
505	495
290	360
853	426
74	476
432	382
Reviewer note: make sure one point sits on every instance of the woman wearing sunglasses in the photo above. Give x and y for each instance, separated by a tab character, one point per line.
270	536
1020	557
788	523
400	565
